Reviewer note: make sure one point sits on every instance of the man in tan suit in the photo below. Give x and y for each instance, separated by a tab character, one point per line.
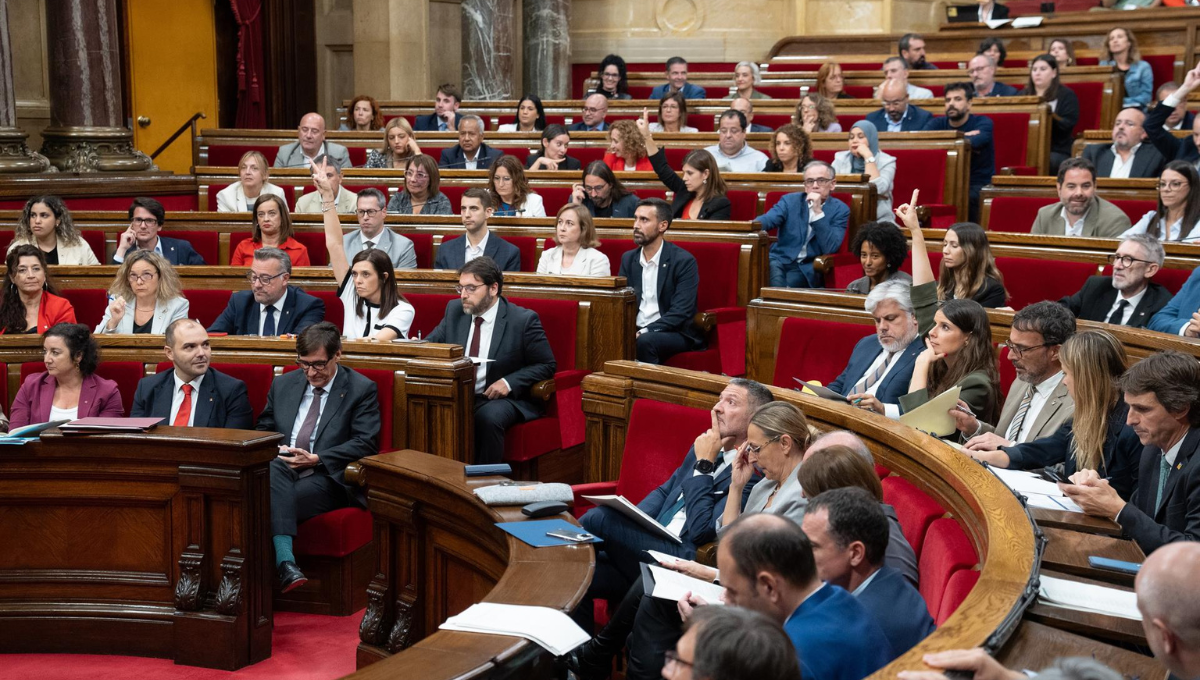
1037	403
347	201
1080	212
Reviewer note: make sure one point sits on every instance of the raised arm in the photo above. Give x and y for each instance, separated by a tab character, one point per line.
643	125
922	270
333	223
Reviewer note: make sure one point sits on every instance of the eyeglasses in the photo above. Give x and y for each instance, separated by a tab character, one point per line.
262	278
416	175
141	278
610	76
1125	260
808	107
1019	351
368	213
751	448
1172	185
469	289
592	109
817	182
307	366
670	657
147	221
597	189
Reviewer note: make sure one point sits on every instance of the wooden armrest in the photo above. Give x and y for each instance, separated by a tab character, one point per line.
707	554
543	390
356	475
823	263
704	321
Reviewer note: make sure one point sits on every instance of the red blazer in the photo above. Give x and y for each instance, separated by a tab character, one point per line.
244	253
98	397
53	309
612	161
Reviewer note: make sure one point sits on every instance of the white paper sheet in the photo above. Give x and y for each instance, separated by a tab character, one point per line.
1027	22
550	628
1063	503
662	558
997	23
1089	598
672	585
633	512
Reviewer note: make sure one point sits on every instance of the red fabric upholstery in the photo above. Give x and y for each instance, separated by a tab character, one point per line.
95	239
334	534
528	440
915	509
529	252
1091	96
454	193
614	250
554	198
675	156
776	120
560	320
171	202
935	261
89	304
778	92
1135	209
587	154
206	305
423	246
1163	66
334	312
744	204
858	92
636	91
883	472
1016	214
946	550
429	310
358	156
957	589
257	377
563	424
204	242
1029	281
923	169
1171	279
701	121
1007	373
125	373
726	350
228	155
813	349
384	381
1013	128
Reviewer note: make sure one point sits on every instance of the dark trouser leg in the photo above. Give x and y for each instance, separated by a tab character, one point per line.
295	499
625	543
493	417
973	205
656	629
655	347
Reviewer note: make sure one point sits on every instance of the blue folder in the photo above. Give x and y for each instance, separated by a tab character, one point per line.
533	532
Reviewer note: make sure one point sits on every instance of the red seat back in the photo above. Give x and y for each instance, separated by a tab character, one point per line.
358	156
718	267
776	120
1163	66
1029	281
257	377
334	312
656	441
206	243
384	384
815	349
1135	209
946	550
314	242
423	247
923	169
1013	128
587	154
206	305
1016	214
529	251
95	240
778	92
1007	373
1091	97
89	304
559	319
915	509
554	198
454	193
743	203
675	156
228	155
957	589
429	309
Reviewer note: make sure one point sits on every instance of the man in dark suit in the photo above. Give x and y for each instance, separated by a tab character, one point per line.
595	110
194	394
1171	147
747	108
478	241
146	217
810	224
270	307
1127	156
445	116
849	535
1163	394
666	308
677	75
329	417
1180	118
897	115
1128	297
782	583
510	350
470	153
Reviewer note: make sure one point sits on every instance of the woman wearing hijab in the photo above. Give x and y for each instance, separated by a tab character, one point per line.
865	158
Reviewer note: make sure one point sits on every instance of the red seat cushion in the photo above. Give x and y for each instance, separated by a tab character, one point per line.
454	193
1135	209
657	439
915	509
744	204
1028	280
429	309
1091	97
923	169
206	243
554	198
946	550
528	440
89	304
334	534
228	155
563	424
1013	128
1163	67
334	312
815	349
206	305
1016	214
957	589
726	351
95	239
529	252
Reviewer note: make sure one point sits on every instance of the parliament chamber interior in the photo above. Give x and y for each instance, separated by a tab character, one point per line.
336	253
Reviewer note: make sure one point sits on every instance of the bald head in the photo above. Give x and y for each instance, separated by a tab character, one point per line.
840	438
1169	601
595	108
893	89
312	133
742	104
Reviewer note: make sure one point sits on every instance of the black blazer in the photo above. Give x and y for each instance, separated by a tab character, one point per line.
452	254
176	250
990	294
1097	296
678	285
454	158
240	317
222	401
519	353
581	126
1171	147
1063	120
349	424
568	163
1147	162
429	123
1178	518
715	208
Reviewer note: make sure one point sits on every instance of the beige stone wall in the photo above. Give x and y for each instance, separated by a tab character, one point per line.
31	71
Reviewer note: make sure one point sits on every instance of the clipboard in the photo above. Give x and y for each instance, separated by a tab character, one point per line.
820	391
933	416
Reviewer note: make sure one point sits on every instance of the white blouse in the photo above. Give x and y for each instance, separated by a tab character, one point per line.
534	206
588	262
368	324
1172	233
657	127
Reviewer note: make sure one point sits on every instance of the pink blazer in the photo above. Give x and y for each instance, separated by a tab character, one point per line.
98	397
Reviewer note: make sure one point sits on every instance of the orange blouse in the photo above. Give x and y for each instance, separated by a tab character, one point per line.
244	253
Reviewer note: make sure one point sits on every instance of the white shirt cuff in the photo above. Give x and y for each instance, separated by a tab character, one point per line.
1184	327
506	385
1172	100
892	411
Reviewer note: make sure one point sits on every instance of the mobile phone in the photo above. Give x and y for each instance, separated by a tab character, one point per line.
1055	476
1108	564
573	536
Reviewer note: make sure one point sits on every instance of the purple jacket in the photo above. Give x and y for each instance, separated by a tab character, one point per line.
98	397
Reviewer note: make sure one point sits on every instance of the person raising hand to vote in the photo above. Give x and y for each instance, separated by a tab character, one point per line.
700	194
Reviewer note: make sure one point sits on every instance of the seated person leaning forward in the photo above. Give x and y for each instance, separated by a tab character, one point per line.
145	296
193	393
328	415
272	229
810	224
509	348
69	388
666	280
373	307
31	303
271	307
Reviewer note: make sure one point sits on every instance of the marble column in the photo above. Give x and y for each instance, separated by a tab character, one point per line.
15	155
86	132
547	57
487	49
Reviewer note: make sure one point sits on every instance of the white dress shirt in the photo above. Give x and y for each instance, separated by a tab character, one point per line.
474	252
680	518
485	345
1122	168
1041	395
745	160
302	414
890	410
648	310
1133	301
262	312
177	398
1075	229
1172	231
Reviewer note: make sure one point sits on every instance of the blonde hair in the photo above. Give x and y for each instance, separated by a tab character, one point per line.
632	137
169	286
777	418
262	163
1095	359
397	122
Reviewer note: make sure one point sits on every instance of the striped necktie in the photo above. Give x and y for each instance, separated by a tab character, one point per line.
1018	420
1164	472
866	383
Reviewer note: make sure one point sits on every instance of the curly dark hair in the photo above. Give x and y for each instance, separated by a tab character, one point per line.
12	310
886	237
80	345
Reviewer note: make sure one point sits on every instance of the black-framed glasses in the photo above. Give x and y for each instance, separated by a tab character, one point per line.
671	656
370	212
1018	351
751	448
1125	260
264	279
147	221
817	182
312	365
469	289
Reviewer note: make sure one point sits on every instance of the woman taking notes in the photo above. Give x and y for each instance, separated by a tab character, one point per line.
69	388
145	296
576	253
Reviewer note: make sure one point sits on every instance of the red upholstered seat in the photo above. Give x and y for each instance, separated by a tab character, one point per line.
385	394
915	509
640	91
923	169
95	240
701	121
228	155
587	154
206	243
334	312
423	246
657	439
313	241
89	304
334	534
744	204
813	349
1016	214
946	550
125	373
206	305
1163	66
429	310
1091	97
675	156
1135	209
358	156
614	250
776	120
1029	280
554	198
1171	279
858	92
1007	373
957	589
882	471
935	261
726	343
553	119
1013	128
778	92
454	193
529	251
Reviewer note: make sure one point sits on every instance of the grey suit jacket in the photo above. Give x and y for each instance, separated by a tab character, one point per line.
399	248
1103	220
291	156
789	501
1058	409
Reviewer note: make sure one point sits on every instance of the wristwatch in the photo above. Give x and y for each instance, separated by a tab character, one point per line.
870	159
705	467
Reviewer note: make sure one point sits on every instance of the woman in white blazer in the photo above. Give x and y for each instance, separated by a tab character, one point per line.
46	223
577	252
240	196
145	297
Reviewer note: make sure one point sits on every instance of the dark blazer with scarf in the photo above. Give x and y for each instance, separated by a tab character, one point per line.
715	208
1096	298
176	250
678	284
519	352
1178	518
452	254
1147	161
241	315
454	158
222	401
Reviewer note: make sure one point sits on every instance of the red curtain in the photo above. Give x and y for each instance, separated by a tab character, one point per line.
251	112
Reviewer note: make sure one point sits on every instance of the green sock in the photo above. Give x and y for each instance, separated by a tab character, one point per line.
283	549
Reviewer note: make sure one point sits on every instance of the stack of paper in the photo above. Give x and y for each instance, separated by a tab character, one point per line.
633	512
672	585
1038	492
29	433
933	417
1086	597
550	628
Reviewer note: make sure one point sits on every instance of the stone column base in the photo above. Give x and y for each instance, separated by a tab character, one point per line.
93	149
17	157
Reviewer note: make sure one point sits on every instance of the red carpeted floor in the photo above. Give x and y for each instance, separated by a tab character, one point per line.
305	647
